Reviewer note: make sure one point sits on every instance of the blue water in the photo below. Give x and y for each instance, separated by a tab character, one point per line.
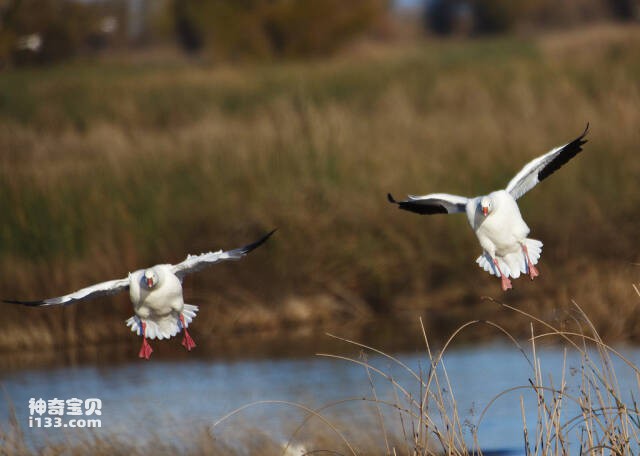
143	399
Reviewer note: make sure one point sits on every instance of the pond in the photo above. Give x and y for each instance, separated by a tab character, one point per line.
170	397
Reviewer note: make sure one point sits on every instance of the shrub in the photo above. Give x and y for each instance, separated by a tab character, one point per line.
497	16
277	28
445	17
43	31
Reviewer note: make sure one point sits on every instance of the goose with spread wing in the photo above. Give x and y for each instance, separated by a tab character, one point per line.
496	218
156	295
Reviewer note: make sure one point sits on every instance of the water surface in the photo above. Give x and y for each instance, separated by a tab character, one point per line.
145	399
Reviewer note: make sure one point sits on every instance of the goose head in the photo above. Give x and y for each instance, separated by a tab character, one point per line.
487	205
150	278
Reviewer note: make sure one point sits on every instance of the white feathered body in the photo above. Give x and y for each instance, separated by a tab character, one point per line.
501	234
156	295
159	307
496	218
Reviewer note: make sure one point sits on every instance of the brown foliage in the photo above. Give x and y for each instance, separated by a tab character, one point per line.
277	28
497	16
186	159
62	26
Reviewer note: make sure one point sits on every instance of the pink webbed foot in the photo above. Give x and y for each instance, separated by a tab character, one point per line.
506	283
533	271
187	341
145	349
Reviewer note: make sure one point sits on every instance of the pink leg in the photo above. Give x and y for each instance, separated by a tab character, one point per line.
145	350
506	283
533	271
187	341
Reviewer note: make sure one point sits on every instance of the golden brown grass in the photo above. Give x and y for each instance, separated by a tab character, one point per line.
110	167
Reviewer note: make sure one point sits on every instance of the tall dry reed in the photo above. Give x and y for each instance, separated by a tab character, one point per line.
583	411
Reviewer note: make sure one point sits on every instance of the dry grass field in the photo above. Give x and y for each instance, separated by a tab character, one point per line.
109	166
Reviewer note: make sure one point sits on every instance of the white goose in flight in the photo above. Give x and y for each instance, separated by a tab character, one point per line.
496	218
156	295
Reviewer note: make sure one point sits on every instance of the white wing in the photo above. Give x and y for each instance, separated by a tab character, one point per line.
434	203
195	263
542	167
94	291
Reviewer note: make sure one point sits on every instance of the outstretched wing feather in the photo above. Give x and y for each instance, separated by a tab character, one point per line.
108	288
434	203
194	263
542	167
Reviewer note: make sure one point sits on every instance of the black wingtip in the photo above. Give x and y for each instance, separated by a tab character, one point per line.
580	140
567	152
391	199
584	133
248	248
24	303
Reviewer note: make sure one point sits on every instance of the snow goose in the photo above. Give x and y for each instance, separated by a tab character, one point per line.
496	218
156	295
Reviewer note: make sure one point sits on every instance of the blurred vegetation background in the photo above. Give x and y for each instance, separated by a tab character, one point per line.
135	132
45	31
